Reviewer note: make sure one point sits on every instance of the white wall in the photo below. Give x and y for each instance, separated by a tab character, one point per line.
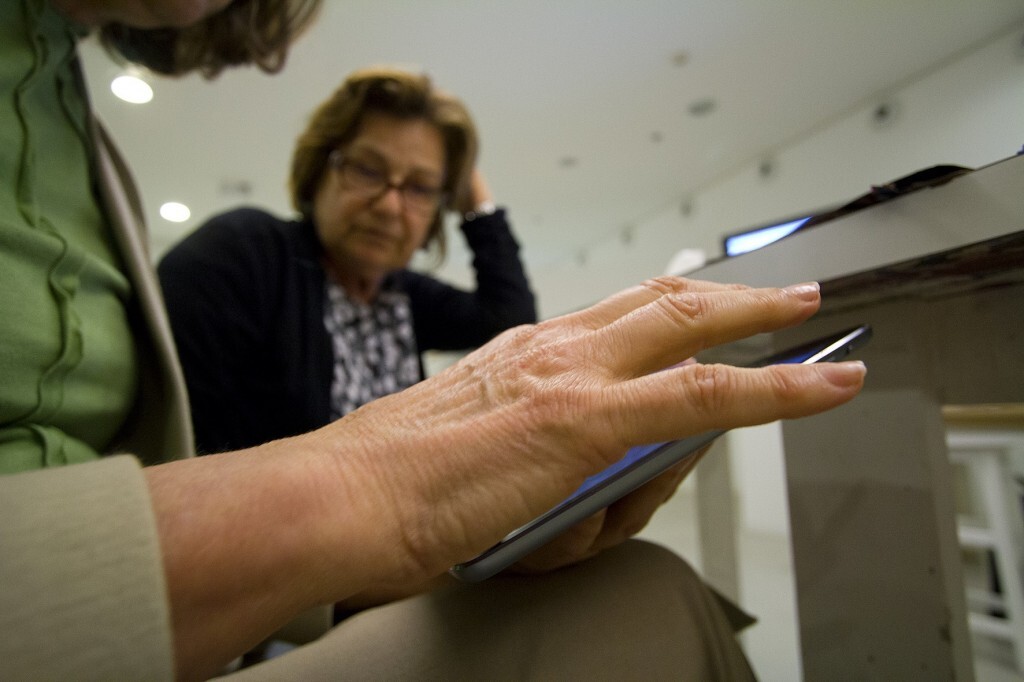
968	112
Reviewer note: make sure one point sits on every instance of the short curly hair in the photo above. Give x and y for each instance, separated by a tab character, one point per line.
409	96
245	32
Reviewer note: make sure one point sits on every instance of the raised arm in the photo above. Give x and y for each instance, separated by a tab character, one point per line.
450	318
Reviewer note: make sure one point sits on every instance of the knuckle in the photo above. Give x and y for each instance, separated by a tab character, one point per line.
524	335
666	284
548	378
570	411
711	384
687	308
738	287
557	403
670	284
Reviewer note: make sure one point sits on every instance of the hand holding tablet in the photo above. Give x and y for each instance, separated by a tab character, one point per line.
640	465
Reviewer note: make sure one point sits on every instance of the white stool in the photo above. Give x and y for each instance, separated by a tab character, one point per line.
993	524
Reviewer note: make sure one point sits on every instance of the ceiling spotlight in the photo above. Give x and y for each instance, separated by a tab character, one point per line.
680	58
885	113
131	89
175	212
239	187
702	107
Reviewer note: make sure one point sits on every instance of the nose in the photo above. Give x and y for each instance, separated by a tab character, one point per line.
389	200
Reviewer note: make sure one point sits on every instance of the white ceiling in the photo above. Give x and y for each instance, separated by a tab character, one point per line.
582	104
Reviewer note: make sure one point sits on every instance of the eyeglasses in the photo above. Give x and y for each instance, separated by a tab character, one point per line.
373	181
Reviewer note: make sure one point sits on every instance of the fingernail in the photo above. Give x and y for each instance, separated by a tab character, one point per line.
843	374
808	291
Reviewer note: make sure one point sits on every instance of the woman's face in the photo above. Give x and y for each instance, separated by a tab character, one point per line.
369	228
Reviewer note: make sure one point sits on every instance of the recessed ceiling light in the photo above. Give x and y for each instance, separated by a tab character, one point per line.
175	212
702	107
235	187
885	113
131	89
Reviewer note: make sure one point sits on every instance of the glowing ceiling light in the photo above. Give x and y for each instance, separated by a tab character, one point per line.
175	212
131	89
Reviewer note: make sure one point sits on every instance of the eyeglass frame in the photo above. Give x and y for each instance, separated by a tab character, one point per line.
338	161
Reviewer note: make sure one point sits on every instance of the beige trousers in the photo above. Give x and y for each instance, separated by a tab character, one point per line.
636	612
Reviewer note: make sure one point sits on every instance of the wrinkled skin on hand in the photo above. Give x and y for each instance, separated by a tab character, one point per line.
516	426
379	504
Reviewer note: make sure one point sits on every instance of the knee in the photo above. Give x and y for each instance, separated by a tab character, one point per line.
650	560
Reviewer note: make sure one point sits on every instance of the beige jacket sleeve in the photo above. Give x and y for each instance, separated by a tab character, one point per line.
82	592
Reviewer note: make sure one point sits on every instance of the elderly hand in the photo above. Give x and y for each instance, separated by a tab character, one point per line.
406	486
505	434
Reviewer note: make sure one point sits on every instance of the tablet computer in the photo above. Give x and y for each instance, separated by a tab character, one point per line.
638	466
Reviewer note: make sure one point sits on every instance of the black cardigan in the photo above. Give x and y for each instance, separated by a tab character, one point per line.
245	294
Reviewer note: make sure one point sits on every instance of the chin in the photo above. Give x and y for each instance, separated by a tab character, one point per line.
377	257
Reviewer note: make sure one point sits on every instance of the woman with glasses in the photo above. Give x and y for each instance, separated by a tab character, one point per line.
286	325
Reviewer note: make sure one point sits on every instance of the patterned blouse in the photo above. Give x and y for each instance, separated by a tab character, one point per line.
374	347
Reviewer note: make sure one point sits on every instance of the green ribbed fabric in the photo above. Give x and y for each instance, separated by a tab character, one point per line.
67	361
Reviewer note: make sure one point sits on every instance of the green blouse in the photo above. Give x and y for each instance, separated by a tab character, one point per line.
68	366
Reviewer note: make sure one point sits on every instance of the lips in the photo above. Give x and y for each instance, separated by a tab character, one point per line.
379	234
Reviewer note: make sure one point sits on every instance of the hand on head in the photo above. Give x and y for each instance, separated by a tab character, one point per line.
479	193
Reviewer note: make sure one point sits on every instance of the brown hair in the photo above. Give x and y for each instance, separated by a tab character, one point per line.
245	32
397	93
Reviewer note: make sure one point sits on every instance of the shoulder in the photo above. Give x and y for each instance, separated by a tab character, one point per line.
242	233
242	224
